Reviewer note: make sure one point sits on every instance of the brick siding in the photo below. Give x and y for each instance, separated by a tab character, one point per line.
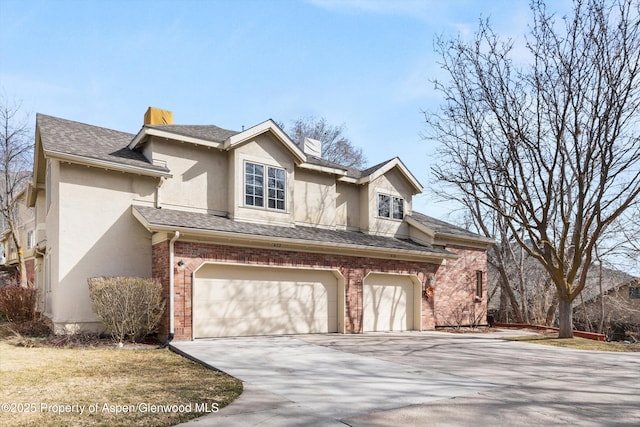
354	270
455	289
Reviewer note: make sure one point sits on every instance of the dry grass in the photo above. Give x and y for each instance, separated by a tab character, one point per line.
39	378
577	343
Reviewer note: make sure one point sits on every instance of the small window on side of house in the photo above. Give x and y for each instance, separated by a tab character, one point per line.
31	241
479	277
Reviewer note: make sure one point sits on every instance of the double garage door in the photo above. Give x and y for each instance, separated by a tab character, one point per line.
231	300
246	300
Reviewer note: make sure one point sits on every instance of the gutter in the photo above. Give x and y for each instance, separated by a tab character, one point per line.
175	237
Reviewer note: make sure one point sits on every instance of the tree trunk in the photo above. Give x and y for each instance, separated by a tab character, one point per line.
565	318
22	269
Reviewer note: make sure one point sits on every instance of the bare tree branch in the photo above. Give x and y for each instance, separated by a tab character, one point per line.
16	149
551	146
336	147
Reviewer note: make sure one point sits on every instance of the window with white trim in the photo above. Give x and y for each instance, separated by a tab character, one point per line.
390	206
257	185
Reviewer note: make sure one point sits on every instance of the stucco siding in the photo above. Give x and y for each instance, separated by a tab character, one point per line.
393	184
347	206
315	198
268	152
55	299
199	176
98	236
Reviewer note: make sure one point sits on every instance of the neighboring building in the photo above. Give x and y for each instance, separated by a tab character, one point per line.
248	233
620	305
26	235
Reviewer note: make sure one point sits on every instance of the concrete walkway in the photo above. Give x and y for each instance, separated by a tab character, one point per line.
427	378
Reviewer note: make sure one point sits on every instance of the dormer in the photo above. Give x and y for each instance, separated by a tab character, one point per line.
386	198
262	162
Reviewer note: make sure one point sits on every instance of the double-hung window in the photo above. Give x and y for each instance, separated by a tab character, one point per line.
390	206
264	182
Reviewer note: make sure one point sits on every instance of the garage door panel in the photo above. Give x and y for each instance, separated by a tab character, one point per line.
240	301
388	303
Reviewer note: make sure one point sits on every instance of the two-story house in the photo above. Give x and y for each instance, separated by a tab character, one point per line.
249	233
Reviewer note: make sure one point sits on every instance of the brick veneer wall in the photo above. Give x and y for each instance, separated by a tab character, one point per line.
455	289
354	270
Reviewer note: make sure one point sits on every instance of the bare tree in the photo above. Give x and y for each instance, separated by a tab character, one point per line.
336	146
15	165
550	146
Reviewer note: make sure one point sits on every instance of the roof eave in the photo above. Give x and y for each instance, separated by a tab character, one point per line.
146	132
444	239
455	239
324	169
104	164
296	244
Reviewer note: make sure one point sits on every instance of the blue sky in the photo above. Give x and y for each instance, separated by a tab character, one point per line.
367	64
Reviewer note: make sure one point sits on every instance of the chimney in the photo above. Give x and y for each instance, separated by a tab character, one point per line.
156	116
312	147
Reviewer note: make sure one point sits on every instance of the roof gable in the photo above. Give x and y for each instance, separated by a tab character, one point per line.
234	141
380	169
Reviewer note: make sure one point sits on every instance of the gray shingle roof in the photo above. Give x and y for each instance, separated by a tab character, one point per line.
440	226
91	142
206	132
206	222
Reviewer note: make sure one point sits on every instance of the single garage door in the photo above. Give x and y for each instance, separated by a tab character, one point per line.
390	303
247	300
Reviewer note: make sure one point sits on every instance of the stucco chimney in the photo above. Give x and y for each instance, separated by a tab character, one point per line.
156	116
313	147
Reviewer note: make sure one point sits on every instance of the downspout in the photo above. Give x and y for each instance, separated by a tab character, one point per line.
157	195
175	237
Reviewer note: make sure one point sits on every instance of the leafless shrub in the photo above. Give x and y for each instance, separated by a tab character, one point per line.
129	307
18	304
32	328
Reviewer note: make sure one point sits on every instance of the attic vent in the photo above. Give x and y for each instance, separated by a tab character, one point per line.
156	116
313	147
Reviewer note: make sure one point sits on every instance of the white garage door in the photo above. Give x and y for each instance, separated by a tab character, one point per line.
246	300
389	303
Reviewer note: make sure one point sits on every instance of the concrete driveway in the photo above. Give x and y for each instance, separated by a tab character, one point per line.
418	379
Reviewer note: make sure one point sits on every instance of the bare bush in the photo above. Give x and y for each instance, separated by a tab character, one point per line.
129	307
18	304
